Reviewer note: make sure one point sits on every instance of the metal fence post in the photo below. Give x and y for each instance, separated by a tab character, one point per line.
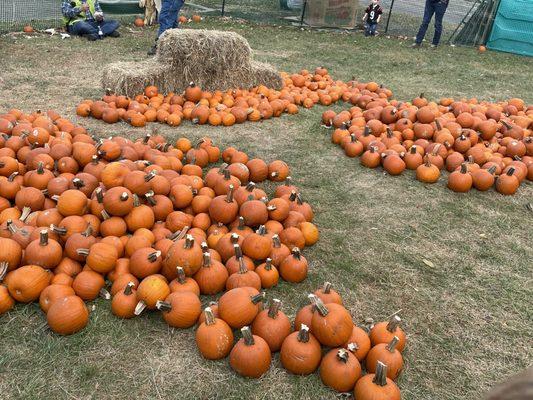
303	13
388	18
223	7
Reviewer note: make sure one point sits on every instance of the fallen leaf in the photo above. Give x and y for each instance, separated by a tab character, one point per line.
428	263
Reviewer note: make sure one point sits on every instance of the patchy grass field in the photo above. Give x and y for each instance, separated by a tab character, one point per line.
468	316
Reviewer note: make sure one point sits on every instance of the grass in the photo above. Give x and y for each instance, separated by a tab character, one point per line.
468	316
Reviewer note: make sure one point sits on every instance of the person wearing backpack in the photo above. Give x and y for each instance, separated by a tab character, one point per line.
437	7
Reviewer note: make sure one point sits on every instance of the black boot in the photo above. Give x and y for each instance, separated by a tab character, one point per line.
114	34
91	37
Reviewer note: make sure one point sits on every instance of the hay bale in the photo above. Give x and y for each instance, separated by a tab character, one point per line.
201	49
130	78
213	60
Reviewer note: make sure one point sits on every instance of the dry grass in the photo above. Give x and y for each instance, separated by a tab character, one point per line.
468	317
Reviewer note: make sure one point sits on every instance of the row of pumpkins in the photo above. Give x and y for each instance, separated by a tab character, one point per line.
218	108
182	19
324	338
480	144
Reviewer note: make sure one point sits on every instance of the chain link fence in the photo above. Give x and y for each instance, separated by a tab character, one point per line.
400	17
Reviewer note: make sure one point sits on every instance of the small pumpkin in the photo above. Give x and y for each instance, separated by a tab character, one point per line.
214	337
250	357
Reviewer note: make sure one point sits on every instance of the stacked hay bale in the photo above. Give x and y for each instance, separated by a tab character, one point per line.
213	60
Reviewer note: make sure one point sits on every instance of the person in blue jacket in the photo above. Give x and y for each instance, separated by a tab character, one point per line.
437	7
168	19
85	18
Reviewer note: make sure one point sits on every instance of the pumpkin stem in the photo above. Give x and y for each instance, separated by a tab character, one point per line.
152	257
82	252
207	259
353	139
234	238
463	168
189	242
139	308
427	161
412	150
258	298
276	242
393	323
353	347
129	288
272	208
322	309
11	226
146	138
78	183
11	177
238	251
163	306
99	195
104	294
268	264
492	169
389	132
242	266
204	247
342	355
303	334
439	126
149	196
261	230
296	253
55	197
327	287
373	149
274	308
247	336
229	196
209	317
250	186
43	237
182	278
178	235
58	230
390	347
380	377
242	224
26	211
299	199
40	168
105	215
136	200
4	265
88	232
94	159
510	171
292	197
124	196
226	174
366	131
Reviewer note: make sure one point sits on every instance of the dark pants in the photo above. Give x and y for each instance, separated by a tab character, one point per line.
91	27
168	17
370	29
432	7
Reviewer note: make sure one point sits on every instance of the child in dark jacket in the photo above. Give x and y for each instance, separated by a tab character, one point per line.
372	17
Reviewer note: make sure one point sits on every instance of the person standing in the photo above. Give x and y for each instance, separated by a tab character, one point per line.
372	17
437	7
85	18
168	19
